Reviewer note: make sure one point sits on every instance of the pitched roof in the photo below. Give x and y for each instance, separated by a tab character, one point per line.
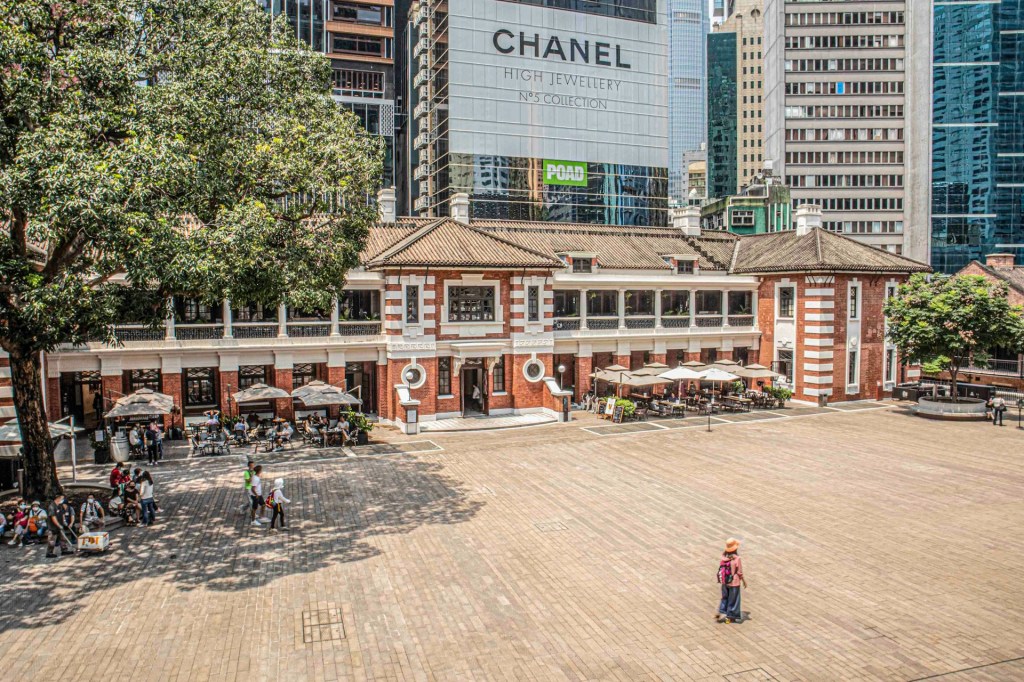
816	251
444	242
617	247
1012	276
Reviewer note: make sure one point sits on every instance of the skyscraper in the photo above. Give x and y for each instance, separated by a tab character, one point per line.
539	109
688	23
735	107
977	186
840	115
358	36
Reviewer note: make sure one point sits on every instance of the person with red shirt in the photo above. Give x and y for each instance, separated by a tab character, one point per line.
118	477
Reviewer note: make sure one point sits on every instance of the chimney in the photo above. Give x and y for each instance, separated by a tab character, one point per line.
999	261
387	206
808	217
686	219
460	208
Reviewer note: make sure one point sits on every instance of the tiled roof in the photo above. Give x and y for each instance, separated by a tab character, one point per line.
815	251
1012	276
626	248
444	242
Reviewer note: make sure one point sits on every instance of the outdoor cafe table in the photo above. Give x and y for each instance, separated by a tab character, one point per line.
672	406
742	403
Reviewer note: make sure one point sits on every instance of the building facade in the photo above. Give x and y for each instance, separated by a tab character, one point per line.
455	316
735	100
543	111
977	154
839	118
359	37
689	23
762	206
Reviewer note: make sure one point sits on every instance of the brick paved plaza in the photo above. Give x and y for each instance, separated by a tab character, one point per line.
877	546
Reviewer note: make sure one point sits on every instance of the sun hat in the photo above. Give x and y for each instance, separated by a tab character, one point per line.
731	545
278	483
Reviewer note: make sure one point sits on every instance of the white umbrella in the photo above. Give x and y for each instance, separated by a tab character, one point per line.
755	372
11	431
259	393
641	380
320	394
717	375
141	403
680	374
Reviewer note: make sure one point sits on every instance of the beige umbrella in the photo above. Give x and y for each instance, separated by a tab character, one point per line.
652	369
259	393
11	431
693	364
141	403
319	394
755	371
616	368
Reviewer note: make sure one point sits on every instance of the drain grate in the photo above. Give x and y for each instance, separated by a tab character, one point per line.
324	625
550	526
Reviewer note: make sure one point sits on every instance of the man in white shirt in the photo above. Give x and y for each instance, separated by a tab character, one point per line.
91	515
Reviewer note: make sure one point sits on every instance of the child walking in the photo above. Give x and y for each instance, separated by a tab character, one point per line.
277	500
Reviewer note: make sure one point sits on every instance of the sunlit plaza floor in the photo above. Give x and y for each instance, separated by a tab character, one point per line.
877	545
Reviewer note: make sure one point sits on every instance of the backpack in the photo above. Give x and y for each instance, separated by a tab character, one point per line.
725	571
270	499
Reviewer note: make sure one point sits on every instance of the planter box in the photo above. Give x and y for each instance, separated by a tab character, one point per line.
966	409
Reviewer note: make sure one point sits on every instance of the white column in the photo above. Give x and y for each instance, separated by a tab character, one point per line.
282	321
753	308
169	321
334	317
657	308
583	308
693	308
383	308
622	308
226	307
725	308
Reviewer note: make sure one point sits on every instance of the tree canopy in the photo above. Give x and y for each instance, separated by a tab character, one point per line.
951	322
160	147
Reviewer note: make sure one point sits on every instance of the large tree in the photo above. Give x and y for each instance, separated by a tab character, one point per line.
952	322
155	147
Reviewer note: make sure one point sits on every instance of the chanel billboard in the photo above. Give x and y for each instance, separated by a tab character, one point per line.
545	83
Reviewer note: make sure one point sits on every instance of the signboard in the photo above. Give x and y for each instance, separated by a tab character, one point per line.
547	83
617	415
569	173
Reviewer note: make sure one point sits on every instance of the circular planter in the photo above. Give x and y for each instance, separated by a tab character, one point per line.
966	410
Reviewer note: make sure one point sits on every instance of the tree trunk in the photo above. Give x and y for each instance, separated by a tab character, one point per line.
954	394
40	471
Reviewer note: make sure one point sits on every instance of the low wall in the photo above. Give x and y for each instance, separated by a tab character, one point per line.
966	409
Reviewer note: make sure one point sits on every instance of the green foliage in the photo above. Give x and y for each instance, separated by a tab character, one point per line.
949	322
359	421
151	143
778	392
737	387
628	407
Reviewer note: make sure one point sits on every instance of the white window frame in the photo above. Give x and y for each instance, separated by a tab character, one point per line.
499	313
854	298
528	364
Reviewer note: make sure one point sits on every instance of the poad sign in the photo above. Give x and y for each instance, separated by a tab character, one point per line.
572	173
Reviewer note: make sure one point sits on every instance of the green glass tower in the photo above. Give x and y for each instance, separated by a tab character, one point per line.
722	142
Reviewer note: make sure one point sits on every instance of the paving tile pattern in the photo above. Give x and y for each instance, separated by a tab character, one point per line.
877	546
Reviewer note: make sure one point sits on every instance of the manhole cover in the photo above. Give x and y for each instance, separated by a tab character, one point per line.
550	526
322	626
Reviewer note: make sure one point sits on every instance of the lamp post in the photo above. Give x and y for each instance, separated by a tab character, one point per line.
561	371
1020	407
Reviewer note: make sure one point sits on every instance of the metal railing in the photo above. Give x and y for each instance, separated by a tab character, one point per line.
602	323
675	322
741	320
567	324
359	328
127	333
254	331
301	330
995	366
709	320
639	322
198	332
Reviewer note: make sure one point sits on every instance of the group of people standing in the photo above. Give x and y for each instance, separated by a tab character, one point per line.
275	501
148	441
59	523
132	495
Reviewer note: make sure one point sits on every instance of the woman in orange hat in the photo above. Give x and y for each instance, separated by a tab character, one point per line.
730	576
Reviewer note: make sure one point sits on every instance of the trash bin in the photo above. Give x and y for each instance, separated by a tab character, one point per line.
101	449
822	401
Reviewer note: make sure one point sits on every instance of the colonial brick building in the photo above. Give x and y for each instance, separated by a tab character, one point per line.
450	317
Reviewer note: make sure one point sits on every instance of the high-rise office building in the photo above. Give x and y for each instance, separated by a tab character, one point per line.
358	36
689	23
977	154
735	94
841	112
538	109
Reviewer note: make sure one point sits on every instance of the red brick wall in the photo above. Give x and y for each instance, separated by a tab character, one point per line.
1015	297
526	394
284	407
52	396
170	384
228	386
584	368
501	402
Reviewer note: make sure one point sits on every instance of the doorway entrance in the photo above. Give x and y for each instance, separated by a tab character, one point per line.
473	384
80	395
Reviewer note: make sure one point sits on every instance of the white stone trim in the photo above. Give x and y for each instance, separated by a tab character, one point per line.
818	391
813	329
422	371
818	380
818	354
819	317
6	391
819	305
812	367
534	361
819	342
820	292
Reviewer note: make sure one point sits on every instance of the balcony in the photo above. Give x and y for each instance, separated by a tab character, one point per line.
305	330
567	324
254	330
360	328
1013	368
127	333
421	203
709	320
602	323
675	321
640	322
198	332
741	320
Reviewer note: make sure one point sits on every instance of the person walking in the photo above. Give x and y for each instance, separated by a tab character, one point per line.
146	497
730	577
59	526
277	501
258	503
998	408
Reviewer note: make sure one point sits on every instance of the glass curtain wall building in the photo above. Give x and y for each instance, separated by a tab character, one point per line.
722	114
536	112
977	132
689	23
358	36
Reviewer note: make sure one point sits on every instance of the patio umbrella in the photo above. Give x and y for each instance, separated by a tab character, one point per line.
693	364
616	368
641	380
717	375
259	393
680	374
755	371
141	403
11	432
319	394
652	369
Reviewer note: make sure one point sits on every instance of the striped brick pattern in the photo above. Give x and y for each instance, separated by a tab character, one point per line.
816	344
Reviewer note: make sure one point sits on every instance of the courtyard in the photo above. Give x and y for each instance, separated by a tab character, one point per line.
876	545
